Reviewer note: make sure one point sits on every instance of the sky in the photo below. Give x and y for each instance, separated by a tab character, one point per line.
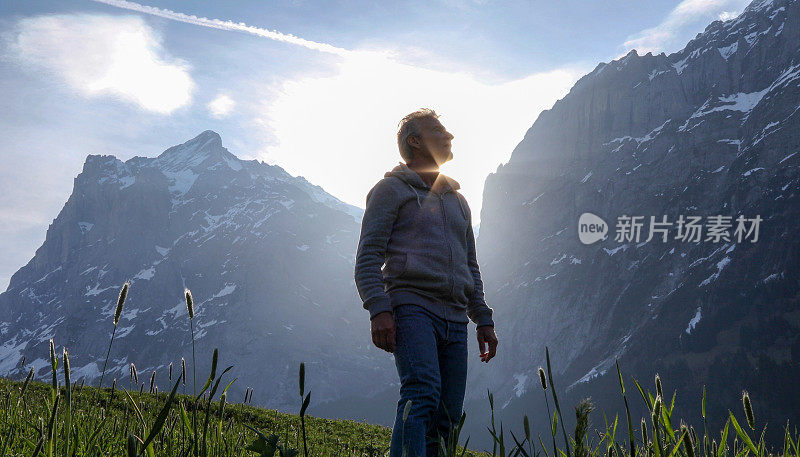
316	87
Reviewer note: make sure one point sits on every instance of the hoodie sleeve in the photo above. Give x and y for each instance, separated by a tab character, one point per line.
477	309
376	227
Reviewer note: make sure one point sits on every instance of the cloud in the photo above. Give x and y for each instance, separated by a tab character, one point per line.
222	106
348	122
314	126
100	55
681	24
727	15
225	25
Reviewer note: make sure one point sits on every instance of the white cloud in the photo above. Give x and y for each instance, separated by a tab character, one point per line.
222	106
727	15
224	25
681	24
349	120
100	55
346	124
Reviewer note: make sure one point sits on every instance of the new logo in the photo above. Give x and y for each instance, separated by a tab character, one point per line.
591	228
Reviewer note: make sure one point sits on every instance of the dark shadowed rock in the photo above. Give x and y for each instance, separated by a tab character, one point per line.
713	129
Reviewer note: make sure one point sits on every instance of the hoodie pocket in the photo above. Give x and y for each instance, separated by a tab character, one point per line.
395	266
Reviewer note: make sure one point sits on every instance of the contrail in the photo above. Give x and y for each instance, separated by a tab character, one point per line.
226	25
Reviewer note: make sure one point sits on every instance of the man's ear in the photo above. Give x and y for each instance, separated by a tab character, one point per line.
413	141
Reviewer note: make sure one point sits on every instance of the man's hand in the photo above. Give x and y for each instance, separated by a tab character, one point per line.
486	335
382	328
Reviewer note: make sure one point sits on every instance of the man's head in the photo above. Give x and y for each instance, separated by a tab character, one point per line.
420	133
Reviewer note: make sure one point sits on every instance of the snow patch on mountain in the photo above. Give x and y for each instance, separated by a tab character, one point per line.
693	322
519	388
720	266
146	274
727	51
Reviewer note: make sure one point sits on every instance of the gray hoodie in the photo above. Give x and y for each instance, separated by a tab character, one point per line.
417	246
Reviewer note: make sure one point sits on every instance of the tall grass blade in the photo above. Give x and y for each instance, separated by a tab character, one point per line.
53	369
24	387
51	428
555	400
212	375
627	411
190	308
162	416
68	395
743	435
123	294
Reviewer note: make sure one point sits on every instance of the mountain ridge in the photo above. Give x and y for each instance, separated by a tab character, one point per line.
267	256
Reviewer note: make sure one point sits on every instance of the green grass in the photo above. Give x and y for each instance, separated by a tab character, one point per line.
113	413
48	419
90	421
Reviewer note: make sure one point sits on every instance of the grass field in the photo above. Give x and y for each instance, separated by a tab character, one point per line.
64	418
102	420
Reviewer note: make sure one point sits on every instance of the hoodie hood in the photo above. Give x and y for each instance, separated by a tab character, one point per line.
414	181
411	178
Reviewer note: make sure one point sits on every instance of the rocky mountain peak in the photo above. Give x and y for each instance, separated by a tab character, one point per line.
204	149
268	257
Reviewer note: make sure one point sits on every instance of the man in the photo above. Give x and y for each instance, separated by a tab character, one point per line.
420	227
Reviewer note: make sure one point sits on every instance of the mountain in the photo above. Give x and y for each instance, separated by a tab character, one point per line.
713	129
268	257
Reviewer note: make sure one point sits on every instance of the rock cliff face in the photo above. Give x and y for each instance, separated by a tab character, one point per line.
268	257
713	129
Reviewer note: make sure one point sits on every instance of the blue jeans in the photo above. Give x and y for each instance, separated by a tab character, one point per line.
431	358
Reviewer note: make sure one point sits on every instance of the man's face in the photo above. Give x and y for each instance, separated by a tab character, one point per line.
435	139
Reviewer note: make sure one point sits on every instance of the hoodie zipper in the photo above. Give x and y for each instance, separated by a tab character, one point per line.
449	248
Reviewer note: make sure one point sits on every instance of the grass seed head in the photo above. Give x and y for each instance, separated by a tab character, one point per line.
657	406
183	371
748	410
189	303
542	379
659	390
152	382
54	366
582	412
170	371
123	294
66	368
53	361
644	432
526	426
134	374
302	376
